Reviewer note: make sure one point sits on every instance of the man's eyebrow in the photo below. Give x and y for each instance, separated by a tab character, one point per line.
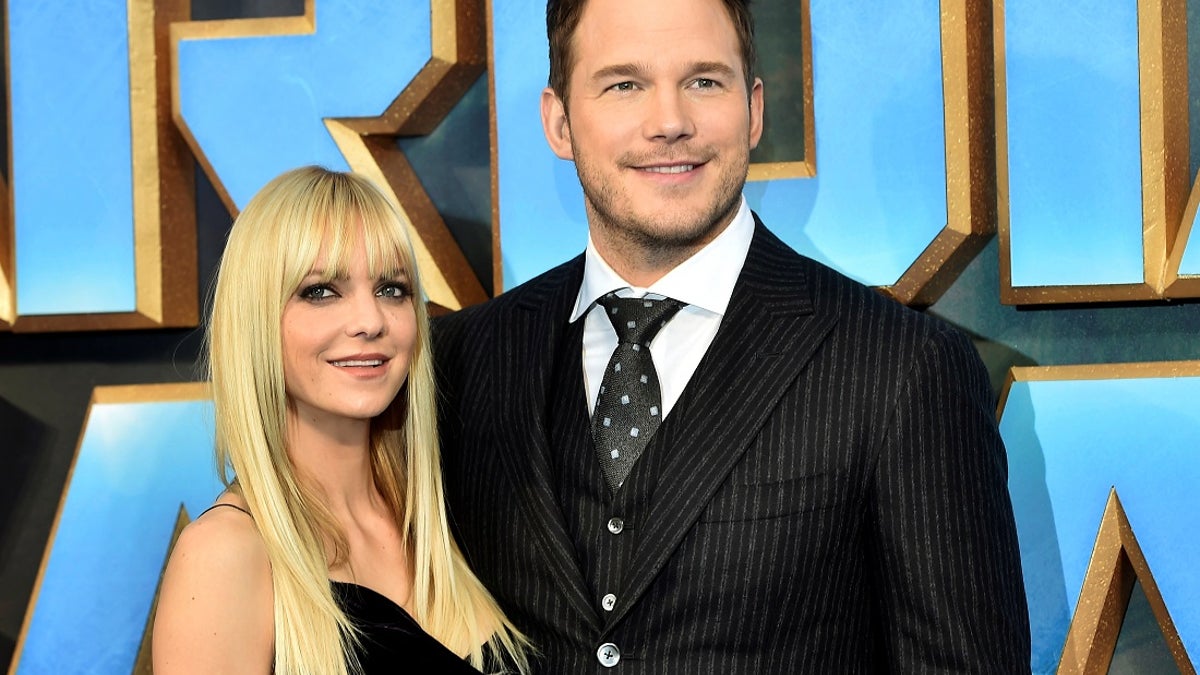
638	70
715	67
619	70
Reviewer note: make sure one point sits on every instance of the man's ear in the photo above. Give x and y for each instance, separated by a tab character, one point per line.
555	124
756	112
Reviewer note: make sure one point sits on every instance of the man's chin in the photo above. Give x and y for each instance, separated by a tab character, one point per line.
675	233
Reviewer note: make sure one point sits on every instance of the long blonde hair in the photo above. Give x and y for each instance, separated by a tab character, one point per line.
274	243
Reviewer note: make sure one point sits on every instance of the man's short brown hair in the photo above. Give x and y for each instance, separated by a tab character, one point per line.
562	18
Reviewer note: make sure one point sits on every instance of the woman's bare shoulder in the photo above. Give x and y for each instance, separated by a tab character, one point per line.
222	546
215	610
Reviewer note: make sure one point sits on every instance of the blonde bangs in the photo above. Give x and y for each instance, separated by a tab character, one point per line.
327	225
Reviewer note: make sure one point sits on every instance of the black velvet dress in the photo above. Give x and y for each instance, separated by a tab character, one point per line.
392	642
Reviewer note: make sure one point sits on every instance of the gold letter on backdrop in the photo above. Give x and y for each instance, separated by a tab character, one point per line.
67	240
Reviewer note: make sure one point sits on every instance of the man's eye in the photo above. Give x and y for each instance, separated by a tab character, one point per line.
705	83
623	86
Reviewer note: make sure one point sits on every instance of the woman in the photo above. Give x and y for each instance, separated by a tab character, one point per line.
333	531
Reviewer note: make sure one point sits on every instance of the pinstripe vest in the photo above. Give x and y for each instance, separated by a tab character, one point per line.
603	526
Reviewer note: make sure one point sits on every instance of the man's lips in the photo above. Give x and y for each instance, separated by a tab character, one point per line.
670	169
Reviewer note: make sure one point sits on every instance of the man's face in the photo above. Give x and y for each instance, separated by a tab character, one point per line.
659	123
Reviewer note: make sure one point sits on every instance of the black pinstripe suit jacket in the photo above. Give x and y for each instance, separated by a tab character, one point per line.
837	503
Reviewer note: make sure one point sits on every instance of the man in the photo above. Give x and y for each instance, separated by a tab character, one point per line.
810	479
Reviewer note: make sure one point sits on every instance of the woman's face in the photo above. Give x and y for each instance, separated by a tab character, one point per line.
347	342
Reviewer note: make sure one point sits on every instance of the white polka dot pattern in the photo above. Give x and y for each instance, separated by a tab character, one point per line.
627	408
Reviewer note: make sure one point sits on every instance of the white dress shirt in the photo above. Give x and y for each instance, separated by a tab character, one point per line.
704	281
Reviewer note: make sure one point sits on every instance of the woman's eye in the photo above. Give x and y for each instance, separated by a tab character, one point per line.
394	291
317	292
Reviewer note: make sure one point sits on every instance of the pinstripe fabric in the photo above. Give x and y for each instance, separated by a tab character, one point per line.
830	492
584	497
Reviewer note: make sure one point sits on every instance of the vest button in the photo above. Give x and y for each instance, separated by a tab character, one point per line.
608	602
616	525
608	655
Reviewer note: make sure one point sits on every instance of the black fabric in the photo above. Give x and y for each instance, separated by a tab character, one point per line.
587	503
232	506
391	640
830	495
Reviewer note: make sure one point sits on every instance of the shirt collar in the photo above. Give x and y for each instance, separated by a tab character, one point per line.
704	280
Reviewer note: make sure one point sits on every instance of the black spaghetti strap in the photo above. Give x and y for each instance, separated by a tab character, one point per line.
232	506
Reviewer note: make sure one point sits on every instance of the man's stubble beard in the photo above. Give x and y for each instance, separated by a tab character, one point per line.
658	241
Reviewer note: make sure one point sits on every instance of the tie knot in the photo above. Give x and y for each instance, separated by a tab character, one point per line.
638	320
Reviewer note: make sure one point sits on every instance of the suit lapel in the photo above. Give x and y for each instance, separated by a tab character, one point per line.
527	339
766	337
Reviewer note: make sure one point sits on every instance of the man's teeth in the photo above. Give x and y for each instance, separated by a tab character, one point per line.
681	168
359	364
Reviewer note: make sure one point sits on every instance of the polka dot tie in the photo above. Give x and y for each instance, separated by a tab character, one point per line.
629	407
